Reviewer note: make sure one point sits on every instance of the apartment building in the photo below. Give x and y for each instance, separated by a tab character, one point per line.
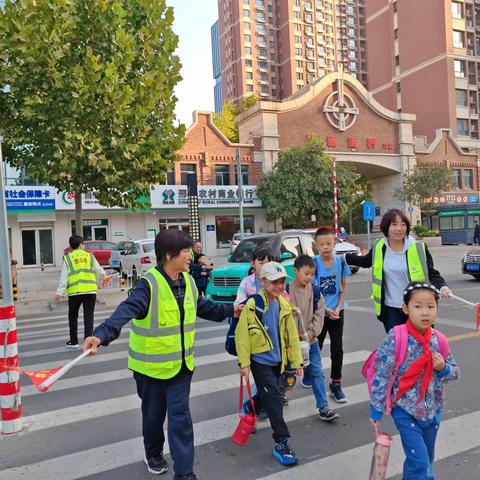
273	48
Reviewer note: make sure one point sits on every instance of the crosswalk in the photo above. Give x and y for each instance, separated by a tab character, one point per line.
89	424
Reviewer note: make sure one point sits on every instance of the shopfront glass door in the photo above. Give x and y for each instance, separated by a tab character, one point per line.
37	246
99	233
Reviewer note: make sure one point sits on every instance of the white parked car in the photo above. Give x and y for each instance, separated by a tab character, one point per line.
134	257
237	238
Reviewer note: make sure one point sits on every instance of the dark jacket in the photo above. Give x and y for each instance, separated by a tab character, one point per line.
366	262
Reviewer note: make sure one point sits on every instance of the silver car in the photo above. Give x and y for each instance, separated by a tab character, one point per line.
134	257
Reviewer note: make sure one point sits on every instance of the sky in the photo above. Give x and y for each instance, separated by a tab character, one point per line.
193	19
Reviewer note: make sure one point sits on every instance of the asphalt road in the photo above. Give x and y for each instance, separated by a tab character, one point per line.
88	425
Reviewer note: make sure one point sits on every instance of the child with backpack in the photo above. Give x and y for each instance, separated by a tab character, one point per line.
409	370
265	346
331	276
310	308
251	283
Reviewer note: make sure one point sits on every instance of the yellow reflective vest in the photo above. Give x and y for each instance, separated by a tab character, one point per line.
81	273
155	347
417	268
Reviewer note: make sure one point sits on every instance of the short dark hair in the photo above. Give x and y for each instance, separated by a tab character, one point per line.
262	253
171	242
414	286
201	255
303	261
323	231
390	216
75	241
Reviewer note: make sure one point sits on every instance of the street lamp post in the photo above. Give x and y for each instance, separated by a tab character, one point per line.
10	404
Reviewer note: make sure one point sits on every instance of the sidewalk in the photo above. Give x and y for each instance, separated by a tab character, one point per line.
36	288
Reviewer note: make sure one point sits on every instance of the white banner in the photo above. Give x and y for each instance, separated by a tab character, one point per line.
209	196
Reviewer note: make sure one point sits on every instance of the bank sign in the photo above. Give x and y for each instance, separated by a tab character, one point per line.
209	196
29	198
66	201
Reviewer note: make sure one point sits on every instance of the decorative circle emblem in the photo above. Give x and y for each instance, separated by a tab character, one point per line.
340	110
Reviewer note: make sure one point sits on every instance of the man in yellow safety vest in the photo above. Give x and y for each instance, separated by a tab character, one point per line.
79	277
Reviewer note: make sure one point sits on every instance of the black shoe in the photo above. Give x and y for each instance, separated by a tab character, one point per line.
284	400
327	415
71	345
156	465
190	476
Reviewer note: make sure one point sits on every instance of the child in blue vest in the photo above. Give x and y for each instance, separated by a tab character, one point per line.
417	393
330	276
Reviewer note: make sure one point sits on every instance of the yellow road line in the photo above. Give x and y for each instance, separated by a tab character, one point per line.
463	336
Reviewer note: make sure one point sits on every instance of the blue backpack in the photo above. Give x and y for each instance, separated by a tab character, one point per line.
259	310
233	322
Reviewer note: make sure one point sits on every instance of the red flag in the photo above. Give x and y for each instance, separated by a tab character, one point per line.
36	376
107	279
478	316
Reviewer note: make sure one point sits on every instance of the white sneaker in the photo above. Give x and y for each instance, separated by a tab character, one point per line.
305	385
73	346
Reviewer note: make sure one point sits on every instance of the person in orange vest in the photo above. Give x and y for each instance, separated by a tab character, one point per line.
80	275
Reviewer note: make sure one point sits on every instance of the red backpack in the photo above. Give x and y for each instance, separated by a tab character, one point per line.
401	344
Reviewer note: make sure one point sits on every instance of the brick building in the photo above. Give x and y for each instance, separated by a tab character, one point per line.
212	157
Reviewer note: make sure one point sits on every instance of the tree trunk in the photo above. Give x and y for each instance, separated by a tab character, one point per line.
350	221
78	214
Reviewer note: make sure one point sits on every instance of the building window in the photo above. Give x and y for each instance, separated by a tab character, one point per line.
245	179
248	38
468	178
459	68
458	39
249	88
185	169
457	178
462	126
462	97
222	175
264	89
457	10
246	26
227	226
246	13
249	75
248	51
248	63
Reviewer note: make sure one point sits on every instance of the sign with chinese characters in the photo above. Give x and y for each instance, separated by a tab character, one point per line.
30	198
368	212
455	198
209	196
66	201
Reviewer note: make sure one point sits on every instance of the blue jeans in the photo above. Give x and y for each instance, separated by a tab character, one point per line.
418	440
313	375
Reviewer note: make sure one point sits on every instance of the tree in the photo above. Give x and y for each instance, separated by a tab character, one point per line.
301	185
423	184
248	102
87	95
225	121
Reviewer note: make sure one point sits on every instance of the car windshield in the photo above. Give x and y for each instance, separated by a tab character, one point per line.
148	247
244	252
123	246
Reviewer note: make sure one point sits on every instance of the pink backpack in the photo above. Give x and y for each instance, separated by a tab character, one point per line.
401	344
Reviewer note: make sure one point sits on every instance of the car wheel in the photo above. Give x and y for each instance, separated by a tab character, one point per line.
354	270
476	277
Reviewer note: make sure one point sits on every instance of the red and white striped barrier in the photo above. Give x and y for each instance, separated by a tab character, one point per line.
10	403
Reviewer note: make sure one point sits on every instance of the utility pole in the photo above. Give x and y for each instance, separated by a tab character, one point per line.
240	193
10	404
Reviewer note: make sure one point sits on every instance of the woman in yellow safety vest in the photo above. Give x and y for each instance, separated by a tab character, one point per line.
397	259
163	308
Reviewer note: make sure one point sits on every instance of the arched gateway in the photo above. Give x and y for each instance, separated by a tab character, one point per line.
356	129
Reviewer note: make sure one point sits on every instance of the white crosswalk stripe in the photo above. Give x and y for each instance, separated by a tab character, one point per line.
61	412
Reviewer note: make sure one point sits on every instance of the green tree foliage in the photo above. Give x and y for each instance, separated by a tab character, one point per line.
248	102
225	121
87	94
301	185
423	184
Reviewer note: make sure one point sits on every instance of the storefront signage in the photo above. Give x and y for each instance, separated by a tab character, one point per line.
210	228
454	213
118	234
455	199
30	198
209	196
66	201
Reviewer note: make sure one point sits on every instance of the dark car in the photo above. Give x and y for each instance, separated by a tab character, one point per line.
471	263
100	249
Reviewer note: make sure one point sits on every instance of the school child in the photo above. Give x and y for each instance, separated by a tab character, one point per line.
417	395
265	347
331	276
251	283
202	277
309	305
